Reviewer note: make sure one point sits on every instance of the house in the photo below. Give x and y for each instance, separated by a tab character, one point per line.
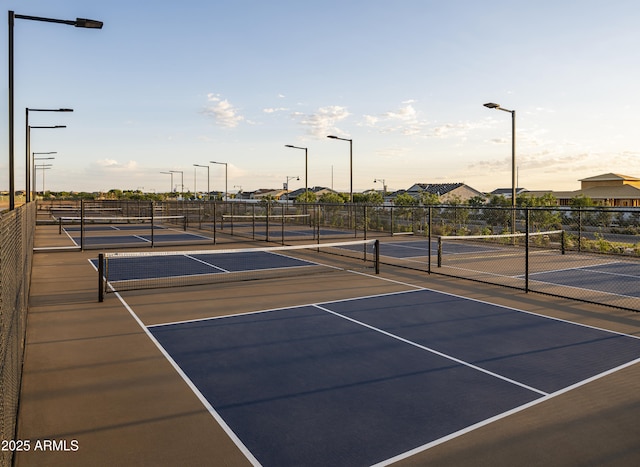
267	193
609	189
445	191
317	190
506	192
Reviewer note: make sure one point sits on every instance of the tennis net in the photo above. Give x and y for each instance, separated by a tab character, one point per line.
269	227
123	271
142	222
504	259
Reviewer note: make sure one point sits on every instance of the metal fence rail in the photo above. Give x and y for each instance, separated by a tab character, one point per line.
17	229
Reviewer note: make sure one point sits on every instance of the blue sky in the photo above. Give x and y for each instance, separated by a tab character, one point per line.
165	85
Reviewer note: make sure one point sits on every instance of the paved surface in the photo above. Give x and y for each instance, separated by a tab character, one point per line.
96	385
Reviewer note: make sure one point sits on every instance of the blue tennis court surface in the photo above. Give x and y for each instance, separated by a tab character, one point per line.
94	240
620	278
151	267
362	381
420	249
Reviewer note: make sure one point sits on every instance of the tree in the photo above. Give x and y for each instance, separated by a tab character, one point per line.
403	199
429	199
371	197
331	198
306	197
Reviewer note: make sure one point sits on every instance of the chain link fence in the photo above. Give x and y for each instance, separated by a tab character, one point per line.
589	254
17	229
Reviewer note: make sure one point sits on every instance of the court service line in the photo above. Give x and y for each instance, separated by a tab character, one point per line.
436	352
206	263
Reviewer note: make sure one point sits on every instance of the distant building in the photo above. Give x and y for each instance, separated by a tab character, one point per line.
609	189
446	191
267	193
316	190
506	192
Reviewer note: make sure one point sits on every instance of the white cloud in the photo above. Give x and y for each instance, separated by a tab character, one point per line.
271	110
223	111
323	121
404	120
112	164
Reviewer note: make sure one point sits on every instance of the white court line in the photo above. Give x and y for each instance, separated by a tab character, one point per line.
190	383
433	351
407	454
204	262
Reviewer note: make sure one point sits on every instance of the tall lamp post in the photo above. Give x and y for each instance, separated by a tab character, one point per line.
171	187
33	168
306	167
43	167
78	23
286	185
181	181
226	192
384	185
208	189
350	164
28	144
492	105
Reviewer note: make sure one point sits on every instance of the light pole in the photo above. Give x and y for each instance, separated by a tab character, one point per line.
171	187
491	105
286	185
226	192
181	181
79	23
384	185
306	168
350	164
43	167
28	144
208	189
33	161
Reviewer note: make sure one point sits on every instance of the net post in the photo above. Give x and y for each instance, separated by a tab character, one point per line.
152	224
563	240
82	224
364	209
282	209
439	251
267	220
184	222
318	223
60	225
101	277
429	237
391	223
377	256
526	251
214	222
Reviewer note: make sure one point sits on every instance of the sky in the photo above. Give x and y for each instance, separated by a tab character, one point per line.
166	85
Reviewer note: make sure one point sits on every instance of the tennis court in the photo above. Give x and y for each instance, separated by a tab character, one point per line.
365	379
546	267
106	232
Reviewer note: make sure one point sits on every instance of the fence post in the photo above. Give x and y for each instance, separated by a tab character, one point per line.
429	241
101	277
526	251
82	224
